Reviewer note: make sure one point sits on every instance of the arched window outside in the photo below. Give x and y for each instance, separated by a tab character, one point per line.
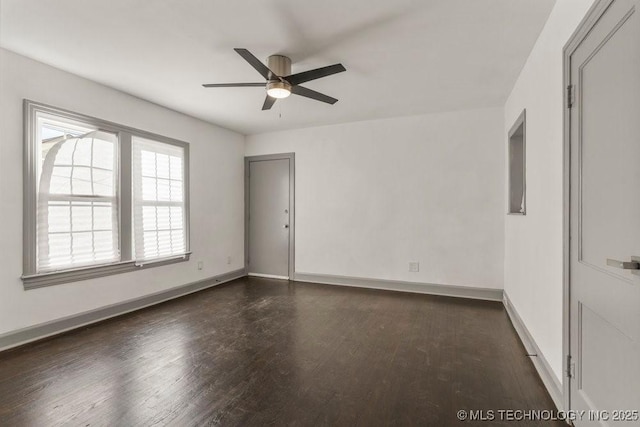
77	221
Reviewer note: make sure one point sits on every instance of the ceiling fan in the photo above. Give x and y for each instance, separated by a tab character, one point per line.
280	82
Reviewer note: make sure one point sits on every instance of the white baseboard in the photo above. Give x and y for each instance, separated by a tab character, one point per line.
268	276
550	380
395	285
55	327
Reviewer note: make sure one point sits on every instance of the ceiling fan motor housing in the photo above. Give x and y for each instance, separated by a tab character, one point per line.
280	65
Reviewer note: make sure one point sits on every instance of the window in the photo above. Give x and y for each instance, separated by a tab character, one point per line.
517	167
100	198
158	199
77	220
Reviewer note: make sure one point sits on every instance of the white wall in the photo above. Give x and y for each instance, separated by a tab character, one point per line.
217	203
372	196
533	243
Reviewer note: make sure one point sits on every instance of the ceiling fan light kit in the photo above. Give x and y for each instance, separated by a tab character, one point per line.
278	89
280	83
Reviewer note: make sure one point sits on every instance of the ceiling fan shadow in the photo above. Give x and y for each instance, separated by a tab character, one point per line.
304	47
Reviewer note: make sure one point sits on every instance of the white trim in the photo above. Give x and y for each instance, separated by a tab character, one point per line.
268	276
58	326
77	274
592	16
520	121
489	294
152	261
549	379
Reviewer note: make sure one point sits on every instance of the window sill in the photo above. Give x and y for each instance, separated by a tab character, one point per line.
163	261
68	276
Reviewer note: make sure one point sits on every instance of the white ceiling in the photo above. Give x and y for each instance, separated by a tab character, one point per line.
403	57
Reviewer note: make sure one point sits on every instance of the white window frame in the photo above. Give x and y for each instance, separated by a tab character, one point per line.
513	162
139	203
31	278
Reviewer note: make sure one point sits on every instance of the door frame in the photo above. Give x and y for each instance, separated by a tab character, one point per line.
292	209
593	15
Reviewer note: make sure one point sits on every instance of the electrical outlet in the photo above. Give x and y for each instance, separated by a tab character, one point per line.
414	267
200	265
228	260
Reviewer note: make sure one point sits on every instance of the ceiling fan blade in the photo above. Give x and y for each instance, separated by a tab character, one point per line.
303	91
255	63
234	85
268	103
305	76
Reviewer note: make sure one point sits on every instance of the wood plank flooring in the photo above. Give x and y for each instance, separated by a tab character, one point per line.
260	352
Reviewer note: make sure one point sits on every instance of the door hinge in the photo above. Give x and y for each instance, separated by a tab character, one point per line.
571	368
570	96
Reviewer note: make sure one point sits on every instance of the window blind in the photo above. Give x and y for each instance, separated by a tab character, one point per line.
158	199
77	212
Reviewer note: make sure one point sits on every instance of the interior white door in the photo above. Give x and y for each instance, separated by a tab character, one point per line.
605	217
269	214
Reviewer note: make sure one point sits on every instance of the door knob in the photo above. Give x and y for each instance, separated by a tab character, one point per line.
625	265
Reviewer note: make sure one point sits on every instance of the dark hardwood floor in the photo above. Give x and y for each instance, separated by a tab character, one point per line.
265	352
